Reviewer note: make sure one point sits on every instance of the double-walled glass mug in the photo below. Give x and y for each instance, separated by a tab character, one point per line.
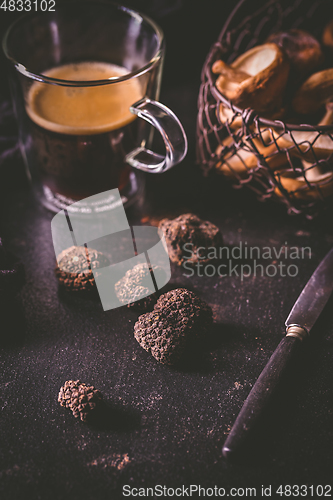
85	82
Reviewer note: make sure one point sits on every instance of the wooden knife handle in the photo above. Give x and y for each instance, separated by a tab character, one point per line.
261	393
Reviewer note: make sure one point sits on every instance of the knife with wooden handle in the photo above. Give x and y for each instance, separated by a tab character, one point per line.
299	323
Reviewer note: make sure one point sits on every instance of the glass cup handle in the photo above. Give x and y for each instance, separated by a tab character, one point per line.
171	130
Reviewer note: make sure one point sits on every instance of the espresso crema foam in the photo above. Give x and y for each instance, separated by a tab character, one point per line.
83	110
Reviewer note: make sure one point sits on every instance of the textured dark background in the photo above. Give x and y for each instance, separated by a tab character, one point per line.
163	425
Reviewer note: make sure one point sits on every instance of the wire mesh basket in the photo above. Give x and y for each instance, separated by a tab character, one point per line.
291	162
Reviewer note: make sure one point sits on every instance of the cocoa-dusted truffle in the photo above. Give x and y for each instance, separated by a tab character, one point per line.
179	318
189	229
80	398
75	267
136	288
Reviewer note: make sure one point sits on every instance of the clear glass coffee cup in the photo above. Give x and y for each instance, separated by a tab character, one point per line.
85	81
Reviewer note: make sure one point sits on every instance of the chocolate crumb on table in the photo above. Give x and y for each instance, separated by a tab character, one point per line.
190	230
136	288
80	398
179	318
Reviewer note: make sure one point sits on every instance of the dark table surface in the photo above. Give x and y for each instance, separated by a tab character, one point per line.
164	426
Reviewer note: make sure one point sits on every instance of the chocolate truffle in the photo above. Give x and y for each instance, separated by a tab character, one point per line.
190	230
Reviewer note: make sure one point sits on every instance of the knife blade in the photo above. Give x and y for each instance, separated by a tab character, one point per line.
299	323
314	296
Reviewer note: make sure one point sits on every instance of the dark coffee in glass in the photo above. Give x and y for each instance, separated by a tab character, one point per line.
80	135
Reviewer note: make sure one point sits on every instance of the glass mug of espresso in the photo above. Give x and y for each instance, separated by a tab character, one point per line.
85	82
